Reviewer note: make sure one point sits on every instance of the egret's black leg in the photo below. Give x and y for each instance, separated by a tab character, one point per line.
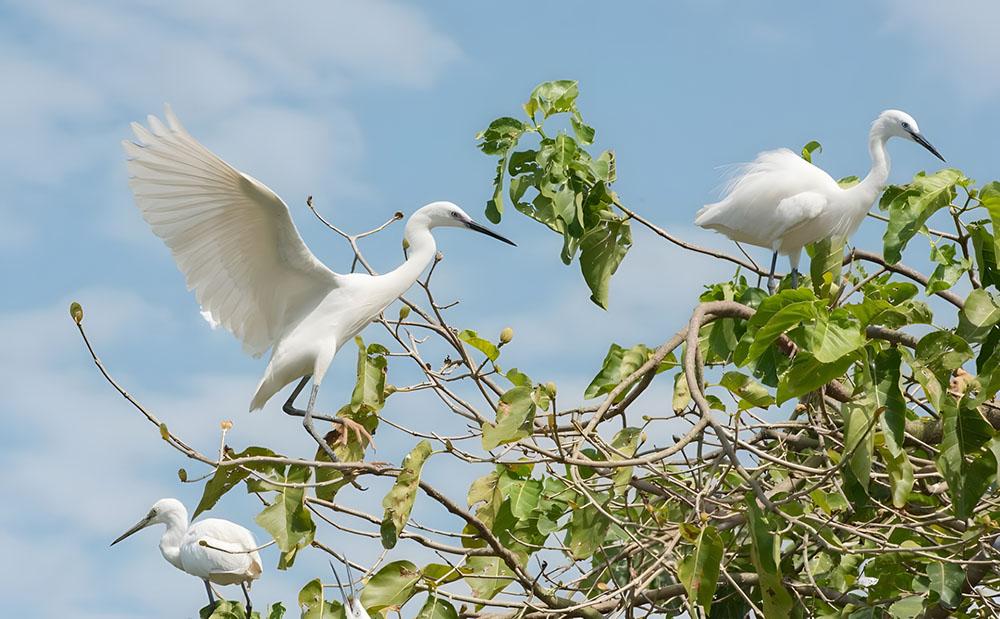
289	406
795	278
246	594
346	424
211	597
307	423
770	276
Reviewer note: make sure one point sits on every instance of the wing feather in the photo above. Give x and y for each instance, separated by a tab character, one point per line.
231	236
231	548
749	211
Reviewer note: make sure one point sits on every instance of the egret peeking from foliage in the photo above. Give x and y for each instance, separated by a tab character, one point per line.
352	603
235	243
217	551
782	202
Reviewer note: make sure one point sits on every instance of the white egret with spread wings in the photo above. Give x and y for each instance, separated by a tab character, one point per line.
235	243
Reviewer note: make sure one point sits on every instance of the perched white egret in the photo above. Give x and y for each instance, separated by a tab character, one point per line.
352	603
782	202
235	243
216	551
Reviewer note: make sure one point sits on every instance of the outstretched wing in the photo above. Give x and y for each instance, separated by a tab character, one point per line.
751	210
231	236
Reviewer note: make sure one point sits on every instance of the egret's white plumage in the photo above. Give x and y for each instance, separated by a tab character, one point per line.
235	243
216	551
782	202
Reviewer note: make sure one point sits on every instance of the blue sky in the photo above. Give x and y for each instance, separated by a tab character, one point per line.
372	108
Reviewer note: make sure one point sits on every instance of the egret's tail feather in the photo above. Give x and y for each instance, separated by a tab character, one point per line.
706	214
265	389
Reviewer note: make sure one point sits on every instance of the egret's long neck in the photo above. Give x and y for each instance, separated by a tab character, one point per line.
873	184
170	542
420	252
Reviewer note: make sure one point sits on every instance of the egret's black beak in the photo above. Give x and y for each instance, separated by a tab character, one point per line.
919	139
343	593
142	524
478	228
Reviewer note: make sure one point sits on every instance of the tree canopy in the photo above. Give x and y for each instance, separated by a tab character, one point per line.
828	451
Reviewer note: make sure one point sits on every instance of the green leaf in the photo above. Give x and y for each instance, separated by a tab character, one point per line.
962	461
287	519
859	428
586	531
440	574
619	363
483	488
231	609
602	249
699	572
228	477
751	393
501	135
766	310
937	355
910	206
943	351
626	441
486	576
682	394
370	387
978	316
810	148
763	333
494	206
437	608
825	265
908	607
584	132
900	476
398	503
948	270
765	547
313	604
989	196
889	397
329	480
522	493
484	346
807	374
515	415
984	244
831	337
552	98
604	167
518	378
946	581
391	586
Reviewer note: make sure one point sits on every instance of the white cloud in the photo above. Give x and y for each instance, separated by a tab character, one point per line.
271	81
